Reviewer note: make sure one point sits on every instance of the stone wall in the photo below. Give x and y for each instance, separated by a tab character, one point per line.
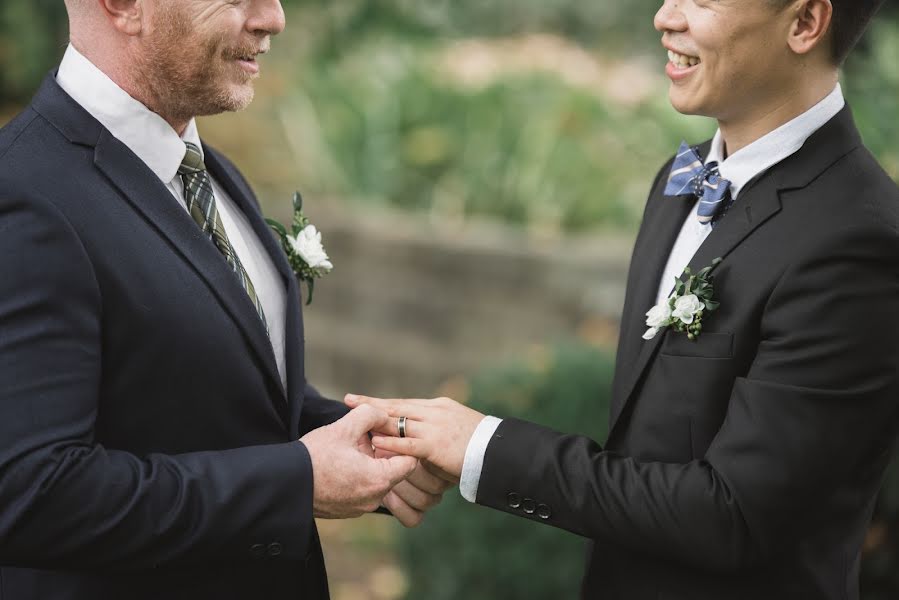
412	304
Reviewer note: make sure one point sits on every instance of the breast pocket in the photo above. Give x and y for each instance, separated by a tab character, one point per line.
698	378
707	345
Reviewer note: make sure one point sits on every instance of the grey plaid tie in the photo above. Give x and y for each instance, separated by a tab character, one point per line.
201	204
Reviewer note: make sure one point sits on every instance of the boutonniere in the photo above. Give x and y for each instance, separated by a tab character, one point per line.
303	246
684	309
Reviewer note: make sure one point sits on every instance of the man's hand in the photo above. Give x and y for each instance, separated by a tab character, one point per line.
348	480
410	499
437	431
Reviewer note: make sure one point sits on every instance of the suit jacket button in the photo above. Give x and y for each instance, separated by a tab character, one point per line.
544	512
529	506
274	549
257	550
514	500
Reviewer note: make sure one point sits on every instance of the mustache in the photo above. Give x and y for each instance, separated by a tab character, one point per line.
249	49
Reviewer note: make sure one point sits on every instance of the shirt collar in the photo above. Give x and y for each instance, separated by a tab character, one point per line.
144	132
756	158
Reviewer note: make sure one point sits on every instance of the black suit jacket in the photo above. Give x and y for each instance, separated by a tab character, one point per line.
147	446
744	464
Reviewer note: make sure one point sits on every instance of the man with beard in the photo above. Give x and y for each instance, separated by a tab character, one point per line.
158	438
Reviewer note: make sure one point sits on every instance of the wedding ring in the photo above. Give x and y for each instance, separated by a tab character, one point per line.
401	426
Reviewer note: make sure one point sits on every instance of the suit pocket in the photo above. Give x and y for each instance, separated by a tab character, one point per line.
707	345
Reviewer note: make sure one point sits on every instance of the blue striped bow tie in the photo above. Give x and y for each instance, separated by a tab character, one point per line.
690	177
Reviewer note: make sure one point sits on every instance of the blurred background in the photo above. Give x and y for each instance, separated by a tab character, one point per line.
478	168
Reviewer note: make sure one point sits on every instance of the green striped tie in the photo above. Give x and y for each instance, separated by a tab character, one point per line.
201	204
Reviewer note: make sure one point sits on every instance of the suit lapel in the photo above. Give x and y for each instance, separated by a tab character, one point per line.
759	202
293	335
660	230
149	197
755	206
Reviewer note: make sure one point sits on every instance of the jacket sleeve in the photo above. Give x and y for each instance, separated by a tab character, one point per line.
319	411
816	413
67	501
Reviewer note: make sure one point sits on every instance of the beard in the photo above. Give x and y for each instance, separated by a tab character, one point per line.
188	75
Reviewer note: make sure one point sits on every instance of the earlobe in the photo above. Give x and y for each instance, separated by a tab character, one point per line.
125	15
811	25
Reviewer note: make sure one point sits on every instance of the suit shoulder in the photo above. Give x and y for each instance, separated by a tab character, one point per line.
860	192
12	131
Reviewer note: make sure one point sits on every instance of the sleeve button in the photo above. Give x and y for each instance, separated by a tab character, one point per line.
528	506
514	500
544	512
257	550
275	549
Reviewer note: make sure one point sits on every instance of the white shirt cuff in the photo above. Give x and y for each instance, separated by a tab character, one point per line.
474	457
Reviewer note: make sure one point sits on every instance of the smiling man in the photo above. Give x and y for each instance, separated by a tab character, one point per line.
752	418
158	438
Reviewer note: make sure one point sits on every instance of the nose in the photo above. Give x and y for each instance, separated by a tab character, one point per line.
266	17
670	17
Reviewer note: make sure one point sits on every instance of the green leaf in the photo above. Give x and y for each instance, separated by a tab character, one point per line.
712	305
278	227
297	202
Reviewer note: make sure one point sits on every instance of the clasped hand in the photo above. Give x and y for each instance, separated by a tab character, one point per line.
437	431
351	478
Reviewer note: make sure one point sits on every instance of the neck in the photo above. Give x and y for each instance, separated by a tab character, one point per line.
739	132
124	78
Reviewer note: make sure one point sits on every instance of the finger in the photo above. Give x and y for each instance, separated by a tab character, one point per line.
406	446
363	419
394	406
427	482
404	513
414	428
399	408
398	468
384	454
416	497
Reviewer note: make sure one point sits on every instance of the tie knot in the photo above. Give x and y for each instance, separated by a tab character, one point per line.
690	176
707	174
192	161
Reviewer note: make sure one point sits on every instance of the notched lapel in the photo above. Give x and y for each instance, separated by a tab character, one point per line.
757	204
149	197
293	334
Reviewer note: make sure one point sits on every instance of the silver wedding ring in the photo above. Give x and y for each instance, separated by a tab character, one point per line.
401	426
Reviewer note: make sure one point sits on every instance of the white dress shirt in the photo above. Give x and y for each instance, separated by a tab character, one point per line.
155	143
739	168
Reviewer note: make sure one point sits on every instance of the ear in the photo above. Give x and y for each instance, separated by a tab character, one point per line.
124	15
811	25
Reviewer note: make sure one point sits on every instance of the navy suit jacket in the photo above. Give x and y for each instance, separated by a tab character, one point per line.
744	465
147	446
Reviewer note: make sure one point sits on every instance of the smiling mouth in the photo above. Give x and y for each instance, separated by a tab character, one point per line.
683	61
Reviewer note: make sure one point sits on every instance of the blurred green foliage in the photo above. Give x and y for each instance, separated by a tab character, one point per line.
391	125
32	39
467	551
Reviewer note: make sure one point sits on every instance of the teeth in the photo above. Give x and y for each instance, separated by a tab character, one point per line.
683	60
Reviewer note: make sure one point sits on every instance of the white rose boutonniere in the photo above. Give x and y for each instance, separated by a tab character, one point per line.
684	309
303	246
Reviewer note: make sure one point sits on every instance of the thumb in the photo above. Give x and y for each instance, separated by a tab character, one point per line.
399	468
363	419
